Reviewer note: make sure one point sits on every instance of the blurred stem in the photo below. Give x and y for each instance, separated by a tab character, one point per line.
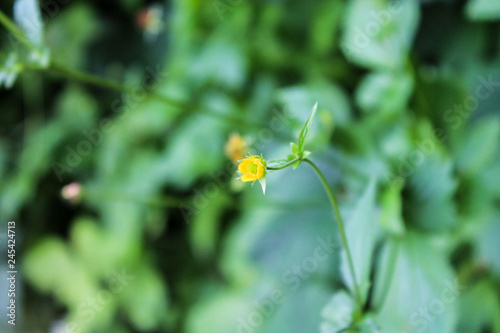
106	83
111	84
117	86
343	236
87	78
114	85
12	27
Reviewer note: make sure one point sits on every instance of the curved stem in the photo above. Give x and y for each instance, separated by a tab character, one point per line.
284	165
341	229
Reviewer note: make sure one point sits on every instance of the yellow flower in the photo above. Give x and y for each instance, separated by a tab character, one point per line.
252	168
235	147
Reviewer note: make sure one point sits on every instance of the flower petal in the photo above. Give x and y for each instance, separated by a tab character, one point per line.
261	170
243	166
248	178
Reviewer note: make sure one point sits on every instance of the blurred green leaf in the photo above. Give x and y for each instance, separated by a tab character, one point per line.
225	311
384	92
362	230
69	32
479	308
429	284
206	222
145	298
338	314
429	194
483	10
478	146
391	216
488	245
378	34
9	71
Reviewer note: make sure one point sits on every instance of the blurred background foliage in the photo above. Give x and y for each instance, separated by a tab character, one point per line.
407	132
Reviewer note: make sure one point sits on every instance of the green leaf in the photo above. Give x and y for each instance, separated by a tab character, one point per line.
145	298
483	10
295	149
378	34
362	229
68	34
488	246
423	275
368	325
430	191
300	312
307	126
478	146
479	308
385	92
334	100
9	71
204	227
338	314
220	312
391	218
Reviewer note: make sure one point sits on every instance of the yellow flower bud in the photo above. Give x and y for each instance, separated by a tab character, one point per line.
235	147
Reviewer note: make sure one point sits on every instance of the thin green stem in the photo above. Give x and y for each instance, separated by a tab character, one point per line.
109	84
284	165
113	85
13	28
343	236
87	78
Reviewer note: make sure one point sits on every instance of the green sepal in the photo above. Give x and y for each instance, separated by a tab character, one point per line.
263	183
307	126
295	149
